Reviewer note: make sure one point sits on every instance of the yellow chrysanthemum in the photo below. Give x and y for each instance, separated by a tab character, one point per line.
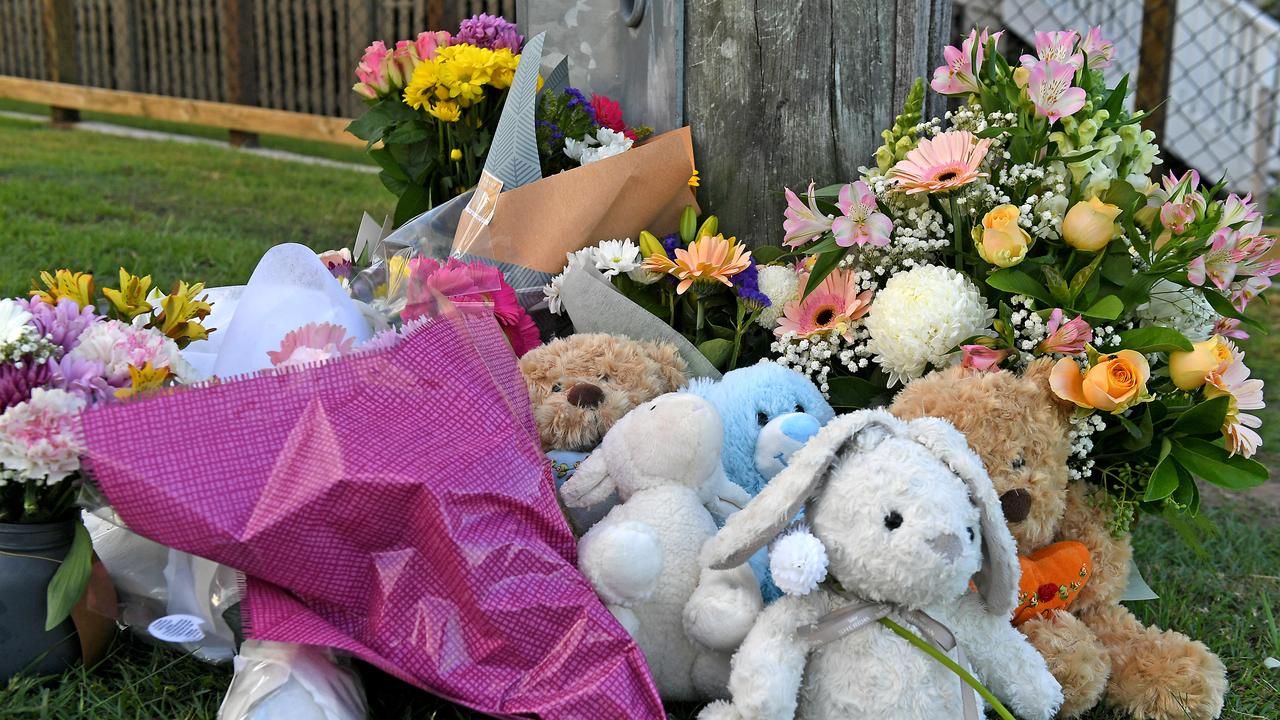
130	300
63	283
445	111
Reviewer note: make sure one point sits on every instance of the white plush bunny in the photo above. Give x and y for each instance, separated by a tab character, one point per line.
663	459
908	517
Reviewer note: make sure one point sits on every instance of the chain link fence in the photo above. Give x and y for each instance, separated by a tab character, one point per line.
1222	93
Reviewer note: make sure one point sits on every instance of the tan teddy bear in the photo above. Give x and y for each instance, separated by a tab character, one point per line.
581	385
1092	643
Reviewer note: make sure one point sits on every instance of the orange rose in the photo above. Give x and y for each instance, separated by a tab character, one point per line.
1115	383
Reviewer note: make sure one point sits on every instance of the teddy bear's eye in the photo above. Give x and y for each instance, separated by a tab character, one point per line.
762	419
1019	463
556	388
799	408
893	520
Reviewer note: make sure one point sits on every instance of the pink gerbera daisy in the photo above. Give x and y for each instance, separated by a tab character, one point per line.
945	162
1239	429
312	342
833	306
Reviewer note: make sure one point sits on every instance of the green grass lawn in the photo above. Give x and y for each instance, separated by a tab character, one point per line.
93	202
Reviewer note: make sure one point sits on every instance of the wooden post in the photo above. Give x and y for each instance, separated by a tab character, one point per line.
1155	56
780	94
60	52
240	52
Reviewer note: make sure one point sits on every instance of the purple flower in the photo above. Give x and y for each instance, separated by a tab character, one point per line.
555	129
16	383
747	285
670	243
80	376
577	99
62	323
487	31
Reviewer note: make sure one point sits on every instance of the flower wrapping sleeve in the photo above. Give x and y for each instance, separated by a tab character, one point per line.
393	504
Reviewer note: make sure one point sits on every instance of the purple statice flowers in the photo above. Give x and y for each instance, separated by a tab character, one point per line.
747	285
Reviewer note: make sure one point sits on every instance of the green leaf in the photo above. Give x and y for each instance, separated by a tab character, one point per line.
1118	268
1057	285
717	351
407	134
1108	308
1163	481
1223	307
1078	157
766	254
383	157
825	245
413	202
1154	339
1115	101
822	268
1205	418
1082	277
1212	463
1187	495
67	584
1015	281
853	392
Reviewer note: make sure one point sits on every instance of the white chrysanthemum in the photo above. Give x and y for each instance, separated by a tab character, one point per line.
15	322
781	285
38	439
117	346
1183	309
617	256
798	562
605	144
918	318
551	291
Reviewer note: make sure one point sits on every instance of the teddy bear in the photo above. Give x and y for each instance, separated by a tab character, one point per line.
580	385
906	519
663	461
769	411
1078	568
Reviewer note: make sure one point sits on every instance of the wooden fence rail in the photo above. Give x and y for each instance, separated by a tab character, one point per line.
292	55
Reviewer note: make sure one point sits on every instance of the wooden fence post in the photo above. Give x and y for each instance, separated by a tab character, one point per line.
240	51
779	94
1155	56
60	52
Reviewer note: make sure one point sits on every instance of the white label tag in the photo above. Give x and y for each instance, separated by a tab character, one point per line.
177	629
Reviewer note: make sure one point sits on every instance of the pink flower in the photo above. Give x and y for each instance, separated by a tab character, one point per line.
338	261
941	163
833	306
1241	212
1243	293
38	439
609	114
1231	254
1058	46
803	223
860	223
1098	49
375	71
1049	86
1229	327
1068	338
1176	216
1239	429
982	358
468	287
958	76
427	43
403	59
312	343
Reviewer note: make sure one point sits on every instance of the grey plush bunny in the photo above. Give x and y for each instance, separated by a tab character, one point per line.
908	518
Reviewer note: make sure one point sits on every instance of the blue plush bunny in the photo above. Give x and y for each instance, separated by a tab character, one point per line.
768	411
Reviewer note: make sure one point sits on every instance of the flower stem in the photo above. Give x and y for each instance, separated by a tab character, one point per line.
737	339
957	238
702	319
952	665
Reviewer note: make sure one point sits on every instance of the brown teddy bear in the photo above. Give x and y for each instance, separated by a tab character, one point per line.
1091	642
581	385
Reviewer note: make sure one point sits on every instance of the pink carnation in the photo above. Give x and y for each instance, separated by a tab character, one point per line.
38	437
468	286
609	114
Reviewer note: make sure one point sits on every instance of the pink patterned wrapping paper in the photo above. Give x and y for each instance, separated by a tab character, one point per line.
393	504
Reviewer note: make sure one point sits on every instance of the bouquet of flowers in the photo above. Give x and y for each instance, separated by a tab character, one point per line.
434	104
60	354
1020	226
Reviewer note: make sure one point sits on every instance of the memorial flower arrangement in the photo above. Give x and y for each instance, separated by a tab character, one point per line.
61	350
434	104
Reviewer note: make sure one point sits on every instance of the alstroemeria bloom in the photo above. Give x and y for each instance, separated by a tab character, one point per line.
803	223
1229	328
1049	87
1220	263
1243	293
1237	210
1068	338
1176	216
957	76
982	358
1174	189
1239	429
1059	46
1099	50
861	222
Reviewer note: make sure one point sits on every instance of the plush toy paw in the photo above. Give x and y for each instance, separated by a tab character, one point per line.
1075	658
719	614
720	710
622	560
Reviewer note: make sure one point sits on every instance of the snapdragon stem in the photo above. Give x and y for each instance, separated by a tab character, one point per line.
952	665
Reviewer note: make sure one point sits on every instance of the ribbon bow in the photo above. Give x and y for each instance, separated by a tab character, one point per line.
861	613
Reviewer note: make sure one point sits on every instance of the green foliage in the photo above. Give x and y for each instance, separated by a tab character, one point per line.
901	138
68	582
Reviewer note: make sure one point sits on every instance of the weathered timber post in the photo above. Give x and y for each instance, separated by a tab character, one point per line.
780	92
241	56
59	19
1155	56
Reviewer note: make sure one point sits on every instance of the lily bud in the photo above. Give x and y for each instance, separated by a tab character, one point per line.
709	226
650	245
688	225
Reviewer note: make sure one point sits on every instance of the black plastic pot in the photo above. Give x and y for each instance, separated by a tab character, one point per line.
29	555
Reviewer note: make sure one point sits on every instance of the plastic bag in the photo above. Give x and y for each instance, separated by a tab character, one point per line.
300	682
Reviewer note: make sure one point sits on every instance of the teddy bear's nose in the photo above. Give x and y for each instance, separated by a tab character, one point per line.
1016	505
585	395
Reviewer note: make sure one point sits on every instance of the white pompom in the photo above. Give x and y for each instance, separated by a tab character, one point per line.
798	562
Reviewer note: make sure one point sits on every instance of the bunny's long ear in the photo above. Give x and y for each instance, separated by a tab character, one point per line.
590	484
997	580
776	506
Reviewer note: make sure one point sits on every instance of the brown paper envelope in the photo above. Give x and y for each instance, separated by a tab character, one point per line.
534	226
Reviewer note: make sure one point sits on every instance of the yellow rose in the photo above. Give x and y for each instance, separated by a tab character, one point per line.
1112	385
1020	76
1000	240
1090	225
1188	370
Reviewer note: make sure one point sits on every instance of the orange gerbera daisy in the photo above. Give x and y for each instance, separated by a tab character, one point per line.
707	259
944	162
833	306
